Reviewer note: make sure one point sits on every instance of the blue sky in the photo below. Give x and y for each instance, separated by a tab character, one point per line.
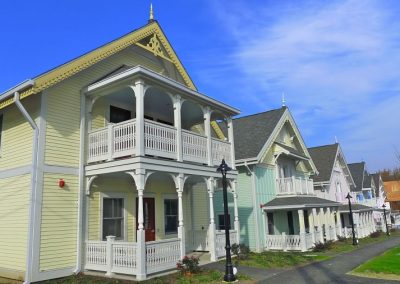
336	61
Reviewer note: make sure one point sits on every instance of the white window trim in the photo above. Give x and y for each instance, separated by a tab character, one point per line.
169	196
124	196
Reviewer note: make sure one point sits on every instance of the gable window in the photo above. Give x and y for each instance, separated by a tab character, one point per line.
113	218
221	222
1	129
171	215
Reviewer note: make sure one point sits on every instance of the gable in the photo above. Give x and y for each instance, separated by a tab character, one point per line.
150	38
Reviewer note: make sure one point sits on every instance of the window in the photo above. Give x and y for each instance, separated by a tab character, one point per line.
1	128
290	222
306	221
118	115
271	226
221	222
113	218
171	215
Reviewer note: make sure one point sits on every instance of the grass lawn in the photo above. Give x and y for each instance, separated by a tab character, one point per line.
206	276
386	264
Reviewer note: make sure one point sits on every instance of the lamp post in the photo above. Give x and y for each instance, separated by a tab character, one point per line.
384	215
351	220
229	276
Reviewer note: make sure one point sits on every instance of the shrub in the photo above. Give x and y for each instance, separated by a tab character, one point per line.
241	251
188	265
341	239
323	246
375	234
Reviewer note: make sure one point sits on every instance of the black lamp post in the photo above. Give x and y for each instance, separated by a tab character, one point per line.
384	215
351	220
229	276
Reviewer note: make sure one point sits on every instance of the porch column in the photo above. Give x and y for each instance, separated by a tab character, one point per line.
207	128
181	228
236	211
338	224
140	234
373	222
321	218
303	245
231	140
139	94
311	224
178	126
317	222
331	223
211	227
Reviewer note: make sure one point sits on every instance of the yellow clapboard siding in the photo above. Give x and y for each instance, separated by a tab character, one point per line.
59	222
14	206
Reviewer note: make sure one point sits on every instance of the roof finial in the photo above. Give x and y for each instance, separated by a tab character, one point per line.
283	100
151	18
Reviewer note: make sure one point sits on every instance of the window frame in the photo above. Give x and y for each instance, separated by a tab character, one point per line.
223	218
113	195
165	215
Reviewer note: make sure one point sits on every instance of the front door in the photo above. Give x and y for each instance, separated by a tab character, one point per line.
149	221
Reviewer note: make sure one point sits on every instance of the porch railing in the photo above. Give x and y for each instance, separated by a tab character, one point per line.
120	257
220	242
289	242
294	185
119	140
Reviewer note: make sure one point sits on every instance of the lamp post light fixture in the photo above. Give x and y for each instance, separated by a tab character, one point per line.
351	220
384	215
229	276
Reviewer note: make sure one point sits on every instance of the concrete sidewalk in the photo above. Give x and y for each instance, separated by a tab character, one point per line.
329	271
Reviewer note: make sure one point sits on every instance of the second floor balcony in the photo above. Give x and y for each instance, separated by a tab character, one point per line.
137	112
294	186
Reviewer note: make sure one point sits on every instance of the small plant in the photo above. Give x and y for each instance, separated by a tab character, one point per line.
241	251
375	234
341	239
188	265
319	247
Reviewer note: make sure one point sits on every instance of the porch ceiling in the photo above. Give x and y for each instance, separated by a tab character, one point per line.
298	202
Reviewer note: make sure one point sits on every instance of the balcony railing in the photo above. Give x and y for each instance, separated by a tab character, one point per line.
119	140
294	185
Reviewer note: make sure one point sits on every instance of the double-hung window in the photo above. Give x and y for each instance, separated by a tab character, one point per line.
113	218
171	215
221	222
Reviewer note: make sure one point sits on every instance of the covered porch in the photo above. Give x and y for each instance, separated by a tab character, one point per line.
143	222
363	219
297	223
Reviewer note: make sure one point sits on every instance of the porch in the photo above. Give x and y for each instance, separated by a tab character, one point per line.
363	219
294	185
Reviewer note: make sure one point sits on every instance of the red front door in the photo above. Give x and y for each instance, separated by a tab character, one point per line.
149	221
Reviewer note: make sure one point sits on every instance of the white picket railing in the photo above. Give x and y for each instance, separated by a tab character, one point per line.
283	242
275	242
294	185
220	150
124	257
119	140
199	240
220	242
293	242
309	241
96	255
194	147
162	255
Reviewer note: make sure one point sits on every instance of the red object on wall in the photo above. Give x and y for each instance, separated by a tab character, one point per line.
61	183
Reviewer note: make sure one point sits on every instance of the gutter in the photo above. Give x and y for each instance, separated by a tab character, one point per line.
34	167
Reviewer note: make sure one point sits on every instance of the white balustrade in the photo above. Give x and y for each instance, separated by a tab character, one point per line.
194	147
220	150
287	242
294	185
220	244
98	145
123	138
309	241
96	255
124	257
159	139
162	255
275	242
293	242
199	240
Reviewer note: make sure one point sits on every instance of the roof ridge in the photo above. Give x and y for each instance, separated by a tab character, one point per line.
326	145
259	113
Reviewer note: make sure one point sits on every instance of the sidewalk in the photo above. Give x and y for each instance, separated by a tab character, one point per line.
329	271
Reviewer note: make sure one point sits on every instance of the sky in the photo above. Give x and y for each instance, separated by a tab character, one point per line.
336	62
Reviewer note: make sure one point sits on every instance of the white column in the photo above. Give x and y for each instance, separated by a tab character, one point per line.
236	210
178	126
319	237
139	94
311	224
212	227
140	234
321	218
181	228
207	128
338	224
231	140
373	222
109	255
332	223
300	212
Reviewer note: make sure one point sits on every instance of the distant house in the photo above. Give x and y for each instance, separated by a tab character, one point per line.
392	189
278	208
334	181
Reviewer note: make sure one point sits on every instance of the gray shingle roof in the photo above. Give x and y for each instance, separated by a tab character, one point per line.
357	172
367	183
354	207
252	132
324	159
299	202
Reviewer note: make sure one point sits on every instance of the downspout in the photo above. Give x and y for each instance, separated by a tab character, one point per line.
33	194
255	206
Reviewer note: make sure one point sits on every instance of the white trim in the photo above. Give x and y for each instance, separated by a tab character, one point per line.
169	196
56	273
19	171
61	170
256	212
122	195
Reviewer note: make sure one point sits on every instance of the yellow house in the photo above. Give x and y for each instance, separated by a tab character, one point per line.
108	163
